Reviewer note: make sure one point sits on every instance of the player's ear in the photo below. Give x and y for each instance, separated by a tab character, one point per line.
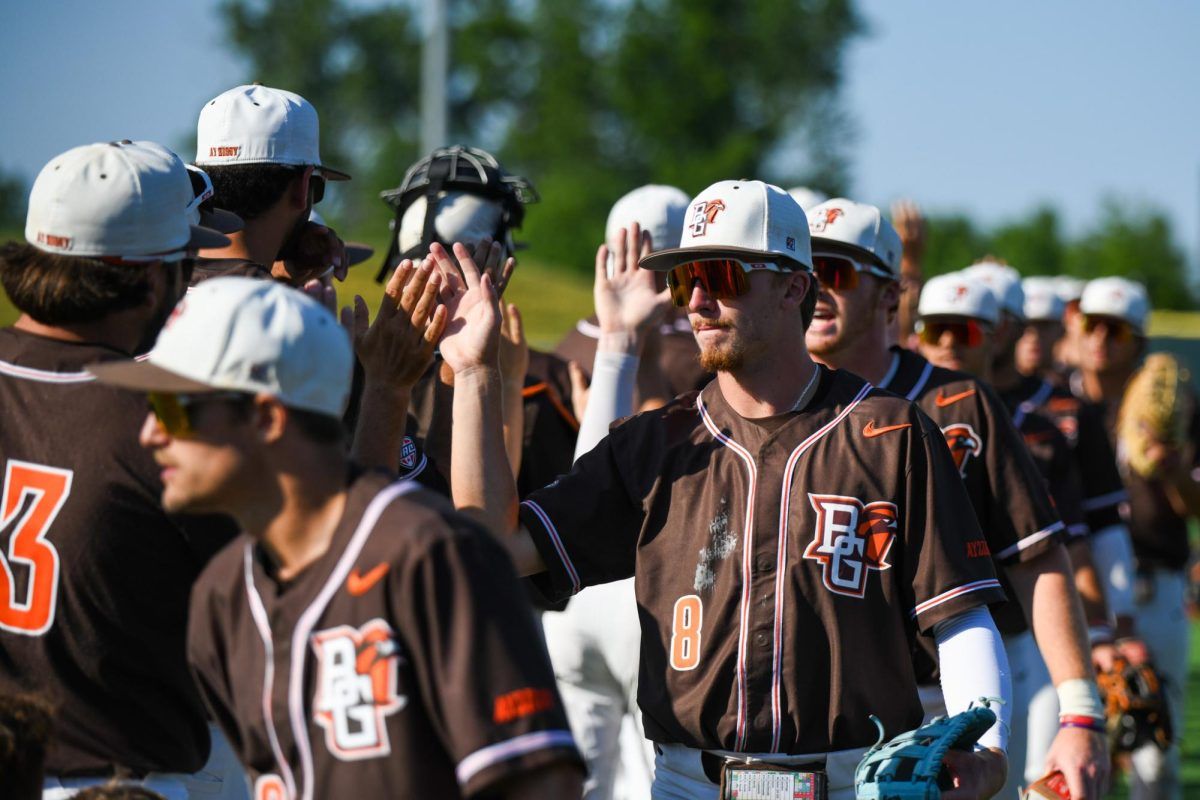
798	284
270	418
297	191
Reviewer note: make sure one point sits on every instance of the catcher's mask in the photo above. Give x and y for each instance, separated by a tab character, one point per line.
457	168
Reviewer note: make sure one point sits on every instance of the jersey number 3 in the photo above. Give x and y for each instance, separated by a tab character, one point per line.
685	632
41	492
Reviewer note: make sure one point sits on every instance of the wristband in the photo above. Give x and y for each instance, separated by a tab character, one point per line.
1078	697
1100	634
1087	723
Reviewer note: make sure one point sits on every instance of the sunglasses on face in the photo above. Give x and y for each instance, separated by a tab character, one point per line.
174	411
1116	329
721	278
841	273
967	332
316	188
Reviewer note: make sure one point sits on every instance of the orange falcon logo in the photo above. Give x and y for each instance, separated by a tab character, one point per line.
870	431
358	584
704	213
942	400
964	444
825	219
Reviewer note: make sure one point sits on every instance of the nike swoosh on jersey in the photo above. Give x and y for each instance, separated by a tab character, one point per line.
870	431
942	400
358	584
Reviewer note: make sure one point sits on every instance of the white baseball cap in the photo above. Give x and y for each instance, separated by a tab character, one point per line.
459	217
202	211
740	219
1069	288
655	208
127	200
246	335
1117	297
806	197
255	124
860	227
1005	283
1042	302
958	295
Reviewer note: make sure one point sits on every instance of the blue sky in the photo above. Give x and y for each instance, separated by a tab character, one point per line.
989	108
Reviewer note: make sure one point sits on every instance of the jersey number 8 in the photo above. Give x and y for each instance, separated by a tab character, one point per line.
41	491
685	632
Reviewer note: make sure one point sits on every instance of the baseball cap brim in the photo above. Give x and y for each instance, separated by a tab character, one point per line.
331	174
820	245
142	376
203	238
666	260
222	221
356	252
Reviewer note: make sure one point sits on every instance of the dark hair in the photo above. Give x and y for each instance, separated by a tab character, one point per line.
26	722
320	428
248	190
56	289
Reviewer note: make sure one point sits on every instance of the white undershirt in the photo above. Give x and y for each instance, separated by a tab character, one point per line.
974	665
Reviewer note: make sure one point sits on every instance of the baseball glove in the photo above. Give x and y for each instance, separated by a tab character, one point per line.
1135	706
910	767
1156	408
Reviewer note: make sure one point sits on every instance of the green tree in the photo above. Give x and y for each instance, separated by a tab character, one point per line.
1135	242
13	196
588	98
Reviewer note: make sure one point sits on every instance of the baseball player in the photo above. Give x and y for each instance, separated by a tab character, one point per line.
668	365
1114	312
787	528
339	640
856	255
261	147
1066	350
1025	383
94	575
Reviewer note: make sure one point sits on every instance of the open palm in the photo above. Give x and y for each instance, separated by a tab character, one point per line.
627	299
472	334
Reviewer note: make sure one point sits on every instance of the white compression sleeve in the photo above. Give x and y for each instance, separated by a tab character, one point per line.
1113	555
974	665
614	376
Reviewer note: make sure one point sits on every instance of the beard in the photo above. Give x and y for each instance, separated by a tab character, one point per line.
732	354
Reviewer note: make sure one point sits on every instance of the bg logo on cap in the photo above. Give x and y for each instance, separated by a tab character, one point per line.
704	214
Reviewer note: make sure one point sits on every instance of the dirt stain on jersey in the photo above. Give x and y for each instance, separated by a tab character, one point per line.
721	544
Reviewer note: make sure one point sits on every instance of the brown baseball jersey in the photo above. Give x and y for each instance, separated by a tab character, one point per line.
678	356
403	662
94	576
1006	490
550	424
782	566
1055	461
1082	423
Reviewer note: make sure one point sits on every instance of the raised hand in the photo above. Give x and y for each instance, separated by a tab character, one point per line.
316	252
397	347
472	335
627	299
514	349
